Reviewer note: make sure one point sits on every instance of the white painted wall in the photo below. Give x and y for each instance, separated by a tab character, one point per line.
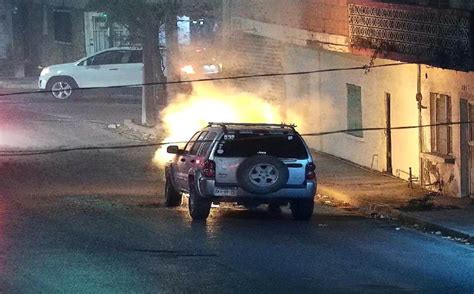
325	107
458	85
327	110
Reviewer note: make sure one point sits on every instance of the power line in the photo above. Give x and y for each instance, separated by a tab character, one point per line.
12	153
238	77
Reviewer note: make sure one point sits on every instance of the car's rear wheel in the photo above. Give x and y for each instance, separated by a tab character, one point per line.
173	198
63	88
302	209
199	207
262	174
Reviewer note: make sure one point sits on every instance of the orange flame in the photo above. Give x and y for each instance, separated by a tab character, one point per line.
186	115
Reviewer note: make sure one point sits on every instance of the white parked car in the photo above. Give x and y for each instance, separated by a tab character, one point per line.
108	68
111	67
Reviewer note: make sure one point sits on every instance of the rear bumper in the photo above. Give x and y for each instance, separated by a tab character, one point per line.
307	190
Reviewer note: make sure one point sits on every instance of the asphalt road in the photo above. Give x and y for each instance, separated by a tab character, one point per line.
93	222
38	121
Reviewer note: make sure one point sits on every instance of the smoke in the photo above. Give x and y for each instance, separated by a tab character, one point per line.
213	103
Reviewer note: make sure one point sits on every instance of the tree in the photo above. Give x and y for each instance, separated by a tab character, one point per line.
144	19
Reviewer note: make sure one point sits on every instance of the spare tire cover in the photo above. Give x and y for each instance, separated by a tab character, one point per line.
262	174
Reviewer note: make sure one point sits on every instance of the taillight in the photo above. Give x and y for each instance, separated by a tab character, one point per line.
209	169
310	174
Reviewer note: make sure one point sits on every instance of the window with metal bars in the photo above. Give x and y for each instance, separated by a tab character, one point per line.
440	119
62	26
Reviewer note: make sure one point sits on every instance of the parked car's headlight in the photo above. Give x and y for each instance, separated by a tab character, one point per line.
188	69
212	68
45	71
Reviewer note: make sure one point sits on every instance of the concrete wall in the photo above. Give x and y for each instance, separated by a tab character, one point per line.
301	41
252	54
325	107
30	42
315	15
458	85
278	40
5	29
46	50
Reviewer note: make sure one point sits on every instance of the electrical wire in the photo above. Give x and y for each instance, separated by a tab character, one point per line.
238	77
11	153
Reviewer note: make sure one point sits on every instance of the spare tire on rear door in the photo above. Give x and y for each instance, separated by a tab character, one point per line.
262	174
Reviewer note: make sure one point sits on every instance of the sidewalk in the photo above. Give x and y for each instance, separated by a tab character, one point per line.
27	83
376	193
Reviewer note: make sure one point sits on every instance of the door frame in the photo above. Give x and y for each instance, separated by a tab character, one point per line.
465	148
388	132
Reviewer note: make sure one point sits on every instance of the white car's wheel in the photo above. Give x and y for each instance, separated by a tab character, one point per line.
62	88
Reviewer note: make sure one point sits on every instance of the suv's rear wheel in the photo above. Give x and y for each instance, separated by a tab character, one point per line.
199	207
262	174
172	197
302	209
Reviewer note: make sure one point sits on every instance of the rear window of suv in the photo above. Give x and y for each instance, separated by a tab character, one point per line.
245	145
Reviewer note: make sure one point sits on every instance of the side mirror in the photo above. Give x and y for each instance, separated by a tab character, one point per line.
173	149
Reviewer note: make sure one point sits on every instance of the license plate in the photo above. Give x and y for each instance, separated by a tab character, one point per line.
225	192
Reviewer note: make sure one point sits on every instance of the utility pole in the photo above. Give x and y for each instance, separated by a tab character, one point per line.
148	90
172	51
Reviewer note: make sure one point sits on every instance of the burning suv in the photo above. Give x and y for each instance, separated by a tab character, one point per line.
249	164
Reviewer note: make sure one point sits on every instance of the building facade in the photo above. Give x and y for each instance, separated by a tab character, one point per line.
37	33
384	65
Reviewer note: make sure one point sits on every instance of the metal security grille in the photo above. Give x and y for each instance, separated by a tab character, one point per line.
417	31
100	34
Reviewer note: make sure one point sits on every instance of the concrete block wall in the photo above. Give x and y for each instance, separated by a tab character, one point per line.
314	15
251	54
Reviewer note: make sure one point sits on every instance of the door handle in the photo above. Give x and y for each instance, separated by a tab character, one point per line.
113	69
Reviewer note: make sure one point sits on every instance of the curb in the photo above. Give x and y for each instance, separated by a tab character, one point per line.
151	132
21	86
371	208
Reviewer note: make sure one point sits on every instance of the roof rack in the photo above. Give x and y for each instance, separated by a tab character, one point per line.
224	125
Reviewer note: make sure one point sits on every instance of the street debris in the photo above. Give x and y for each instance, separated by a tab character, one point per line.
419	204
